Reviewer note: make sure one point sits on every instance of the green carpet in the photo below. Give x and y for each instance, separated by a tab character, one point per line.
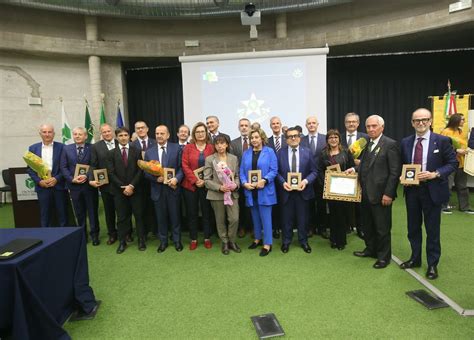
326	294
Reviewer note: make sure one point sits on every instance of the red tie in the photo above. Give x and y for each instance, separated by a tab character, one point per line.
143	145
124	156
418	155
246	144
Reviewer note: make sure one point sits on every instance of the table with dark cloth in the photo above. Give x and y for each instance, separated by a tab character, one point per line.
40	288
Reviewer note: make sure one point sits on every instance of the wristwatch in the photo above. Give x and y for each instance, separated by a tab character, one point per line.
438	175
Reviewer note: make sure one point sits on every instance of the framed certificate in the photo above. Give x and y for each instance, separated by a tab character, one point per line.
101	176
410	174
199	173
168	173
339	186
81	169
469	162
254	176
335	167
294	180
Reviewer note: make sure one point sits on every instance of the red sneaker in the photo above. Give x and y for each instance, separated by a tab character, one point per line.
207	244
193	245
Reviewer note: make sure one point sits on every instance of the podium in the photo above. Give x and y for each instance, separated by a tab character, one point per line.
26	213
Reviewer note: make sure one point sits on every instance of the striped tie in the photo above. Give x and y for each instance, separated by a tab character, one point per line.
277	143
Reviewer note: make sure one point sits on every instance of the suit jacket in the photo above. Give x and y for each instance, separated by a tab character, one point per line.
343	158
221	134
307	168
189	163
441	158
68	165
137	144
470	143
55	171
119	175
171	161
236	148
271	142
99	160
379	174
320	144
268	164
357	136
212	181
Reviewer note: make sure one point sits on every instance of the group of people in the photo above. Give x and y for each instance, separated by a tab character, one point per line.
245	181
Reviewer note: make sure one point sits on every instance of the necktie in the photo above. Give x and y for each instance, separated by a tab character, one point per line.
349	142
293	160
418	155
312	145
277	143
143	145
163	155
246	144
369	147
80	153
124	156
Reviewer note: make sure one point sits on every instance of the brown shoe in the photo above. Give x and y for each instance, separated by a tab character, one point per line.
111	240
234	247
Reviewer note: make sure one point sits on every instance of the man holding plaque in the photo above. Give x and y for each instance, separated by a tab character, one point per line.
84	197
165	192
379	171
296	174
437	159
51	191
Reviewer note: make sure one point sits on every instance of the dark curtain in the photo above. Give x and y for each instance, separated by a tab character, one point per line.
155	95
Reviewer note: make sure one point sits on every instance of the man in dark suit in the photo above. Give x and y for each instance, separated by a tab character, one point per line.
237	147
212	123
183	135
379	171
84	197
51	192
424	201
99	157
294	198
316	142
125	177
351	122
470	143
165	192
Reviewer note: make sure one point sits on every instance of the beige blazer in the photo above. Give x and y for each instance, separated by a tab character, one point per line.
213	183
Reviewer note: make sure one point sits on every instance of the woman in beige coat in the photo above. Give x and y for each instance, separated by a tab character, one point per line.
221	178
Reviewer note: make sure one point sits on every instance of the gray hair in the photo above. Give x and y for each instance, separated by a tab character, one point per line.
215	117
45	126
352	114
379	119
80	128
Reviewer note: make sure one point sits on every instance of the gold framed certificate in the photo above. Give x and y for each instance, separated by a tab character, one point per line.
101	176
81	169
254	176
339	186
294	180
410	174
335	167
168	173
199	173
469	162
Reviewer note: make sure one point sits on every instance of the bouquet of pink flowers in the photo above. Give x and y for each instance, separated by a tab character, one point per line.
225	176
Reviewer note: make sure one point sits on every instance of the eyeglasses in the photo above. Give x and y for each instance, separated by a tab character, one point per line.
421	120
201	131
292	136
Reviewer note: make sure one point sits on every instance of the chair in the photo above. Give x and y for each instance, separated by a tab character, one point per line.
7	187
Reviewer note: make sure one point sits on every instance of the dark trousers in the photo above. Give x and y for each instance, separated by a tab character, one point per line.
85	204
126	206
167	211
377	225
421	207
109	211
52	201
294	210
194	200
317	211
149	215
245	216
338	222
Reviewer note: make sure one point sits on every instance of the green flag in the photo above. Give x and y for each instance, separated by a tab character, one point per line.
65	129
89	126
102	114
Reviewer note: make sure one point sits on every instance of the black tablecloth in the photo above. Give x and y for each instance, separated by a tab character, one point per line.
40	288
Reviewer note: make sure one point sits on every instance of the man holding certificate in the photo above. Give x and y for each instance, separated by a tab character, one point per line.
296	174
423	201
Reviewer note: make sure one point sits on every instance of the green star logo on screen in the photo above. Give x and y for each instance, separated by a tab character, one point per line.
30	184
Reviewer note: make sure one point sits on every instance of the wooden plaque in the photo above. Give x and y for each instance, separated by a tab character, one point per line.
81	169
410	174
294	180
335	167
339	186
101	176
254	176
199	173
168	173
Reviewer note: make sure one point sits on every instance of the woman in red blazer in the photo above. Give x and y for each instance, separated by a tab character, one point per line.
193	158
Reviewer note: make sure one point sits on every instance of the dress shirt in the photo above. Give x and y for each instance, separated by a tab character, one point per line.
375	142
290	156
425	144
141	142
110	144
47	155
348	135
315	140
160	150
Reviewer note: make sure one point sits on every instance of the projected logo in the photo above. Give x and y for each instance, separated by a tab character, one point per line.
297	73
210	77
253	109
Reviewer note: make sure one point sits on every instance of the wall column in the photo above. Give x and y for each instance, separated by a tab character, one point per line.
92	34
280	26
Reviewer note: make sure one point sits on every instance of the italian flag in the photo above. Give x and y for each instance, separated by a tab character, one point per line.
450	102
89	126
66	128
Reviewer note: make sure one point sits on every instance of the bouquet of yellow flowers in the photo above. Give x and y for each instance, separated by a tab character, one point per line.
36	163
152	167
357	147
456	143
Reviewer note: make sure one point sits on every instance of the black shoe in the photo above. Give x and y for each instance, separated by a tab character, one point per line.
276	233
178	246
225	248
241	233
333	245
265	251
410	264
112	239
129	238
285	248
310	233
162	248
122	246
141	244
432	273
325	235
235	247
341	247
254	244
380	264
306	248
95	241
362	253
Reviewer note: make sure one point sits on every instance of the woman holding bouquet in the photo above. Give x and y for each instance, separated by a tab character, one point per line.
260	195
221	177
332	154
193	158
